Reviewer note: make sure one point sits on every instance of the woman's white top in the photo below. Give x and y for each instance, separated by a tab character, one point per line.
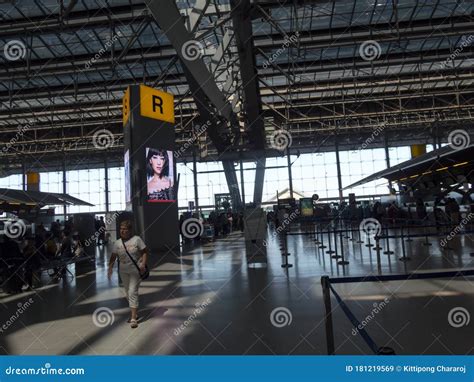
135	245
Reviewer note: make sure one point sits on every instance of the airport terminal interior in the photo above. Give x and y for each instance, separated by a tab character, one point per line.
236	177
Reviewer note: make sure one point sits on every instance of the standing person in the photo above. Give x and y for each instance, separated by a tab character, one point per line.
133	255
102	231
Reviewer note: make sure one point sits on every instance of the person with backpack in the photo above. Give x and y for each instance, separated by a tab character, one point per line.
133	255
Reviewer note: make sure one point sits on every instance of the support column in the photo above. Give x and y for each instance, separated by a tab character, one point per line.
387	159
23	174
106	173
338	165
290	176
259	180
196	190
64	186
242	183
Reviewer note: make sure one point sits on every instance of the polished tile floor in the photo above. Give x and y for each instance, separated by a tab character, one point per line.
207	301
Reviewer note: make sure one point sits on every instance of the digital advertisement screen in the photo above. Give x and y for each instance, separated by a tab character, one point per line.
160	175
126	161
306	206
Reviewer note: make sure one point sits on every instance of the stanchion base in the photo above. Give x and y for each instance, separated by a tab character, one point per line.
378	248
385	350
427	244
336	256
359	241
286	265
286	254
330	252
369	245
322	247
388	252
404	259
342	262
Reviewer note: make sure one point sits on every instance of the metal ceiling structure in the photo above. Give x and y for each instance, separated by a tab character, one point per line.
317	69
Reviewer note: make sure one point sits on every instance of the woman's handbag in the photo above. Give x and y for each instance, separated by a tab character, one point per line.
143	275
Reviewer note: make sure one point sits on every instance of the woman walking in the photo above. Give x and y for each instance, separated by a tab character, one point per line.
132	254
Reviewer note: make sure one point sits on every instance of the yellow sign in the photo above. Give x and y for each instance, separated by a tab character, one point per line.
156	104
126	106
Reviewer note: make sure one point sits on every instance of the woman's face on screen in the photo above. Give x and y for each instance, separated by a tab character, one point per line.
157	162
